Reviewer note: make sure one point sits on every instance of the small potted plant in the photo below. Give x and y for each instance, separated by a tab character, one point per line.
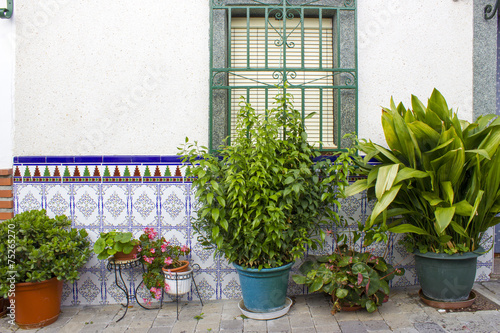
354	280
162	264
120	245
39	253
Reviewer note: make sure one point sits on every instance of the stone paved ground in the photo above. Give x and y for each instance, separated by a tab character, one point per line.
404	312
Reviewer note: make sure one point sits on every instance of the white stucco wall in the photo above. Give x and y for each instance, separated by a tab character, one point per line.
104	78
411	47
110	77
7	38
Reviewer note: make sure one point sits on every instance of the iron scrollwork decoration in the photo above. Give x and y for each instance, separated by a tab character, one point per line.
490	9
6	13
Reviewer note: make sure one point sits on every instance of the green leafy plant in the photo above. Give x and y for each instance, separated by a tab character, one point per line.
438	181
155	253
112	242
44	248
350	277
263	198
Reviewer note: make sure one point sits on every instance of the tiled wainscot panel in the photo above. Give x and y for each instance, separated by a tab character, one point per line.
101	193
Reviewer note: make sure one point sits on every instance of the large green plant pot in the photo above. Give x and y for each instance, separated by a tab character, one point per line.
445	277
264	290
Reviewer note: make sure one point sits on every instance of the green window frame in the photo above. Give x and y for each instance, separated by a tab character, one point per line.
256	45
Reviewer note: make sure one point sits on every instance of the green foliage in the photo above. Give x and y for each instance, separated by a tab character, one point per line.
263	198
352	278
37	247
114	241
157	253
439	179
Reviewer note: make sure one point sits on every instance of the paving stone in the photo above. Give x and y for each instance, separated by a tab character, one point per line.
429	327
328	329
367	316
419	317
184	327
376	325
324	321
352	326
251	325
204	327
397	320
160	330
406	330
231	326
93	328
304	330
299	308
301	320
279	325
346	316
321	310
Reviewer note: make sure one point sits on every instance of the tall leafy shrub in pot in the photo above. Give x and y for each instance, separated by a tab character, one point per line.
263	197
439	179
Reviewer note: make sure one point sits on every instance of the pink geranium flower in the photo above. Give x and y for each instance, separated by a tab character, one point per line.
168	261
184	248
152	250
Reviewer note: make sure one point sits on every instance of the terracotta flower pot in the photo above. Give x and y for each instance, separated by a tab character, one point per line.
120	256
38	304
183	268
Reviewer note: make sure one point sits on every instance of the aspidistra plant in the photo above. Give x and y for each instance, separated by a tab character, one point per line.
439	180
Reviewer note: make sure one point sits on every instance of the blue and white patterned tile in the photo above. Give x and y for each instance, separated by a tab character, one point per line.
58	199
231	286
115	203
67	294
207	290
28	197
174	204
89	289
144	202
202	256
86	205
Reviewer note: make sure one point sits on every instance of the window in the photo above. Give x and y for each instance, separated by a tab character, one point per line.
258	45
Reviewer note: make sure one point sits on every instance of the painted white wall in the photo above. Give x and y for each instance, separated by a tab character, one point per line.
7	37
110	77
411	47
96	77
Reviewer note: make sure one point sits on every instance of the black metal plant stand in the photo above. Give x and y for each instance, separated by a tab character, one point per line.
117	266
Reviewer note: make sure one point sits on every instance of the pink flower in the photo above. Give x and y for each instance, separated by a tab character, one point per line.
148	260
164	247
184	248
152	250
135	256
168	261
167	287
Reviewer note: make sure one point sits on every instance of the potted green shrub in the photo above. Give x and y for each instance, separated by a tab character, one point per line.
162	265
262	198
354	280
120	245
39	254
437	183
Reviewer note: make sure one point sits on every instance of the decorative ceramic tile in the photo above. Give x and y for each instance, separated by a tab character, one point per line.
102	193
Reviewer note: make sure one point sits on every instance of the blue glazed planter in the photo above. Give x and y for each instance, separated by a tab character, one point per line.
264	290
445	277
